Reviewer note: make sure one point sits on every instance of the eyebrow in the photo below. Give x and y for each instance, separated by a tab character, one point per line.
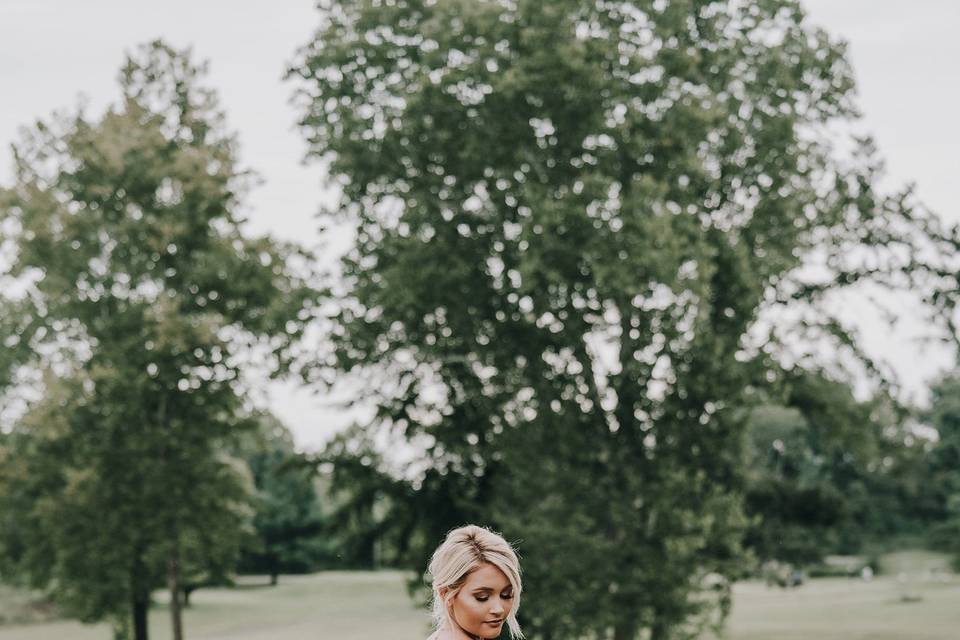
479	589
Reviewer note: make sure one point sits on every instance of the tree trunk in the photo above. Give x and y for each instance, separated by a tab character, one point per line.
141	605
173	584
273	578
173	558
659	630
139	596
625	630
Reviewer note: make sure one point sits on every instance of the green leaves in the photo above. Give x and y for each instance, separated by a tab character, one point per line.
141	292
583	233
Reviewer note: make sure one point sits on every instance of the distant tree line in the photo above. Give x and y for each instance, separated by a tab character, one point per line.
824	474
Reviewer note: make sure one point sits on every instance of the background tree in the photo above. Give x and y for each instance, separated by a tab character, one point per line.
794	504
589	237
141	295
871	455
827	473
943	481
52	500
378	518
289	521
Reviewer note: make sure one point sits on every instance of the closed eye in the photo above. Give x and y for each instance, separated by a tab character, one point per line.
506	596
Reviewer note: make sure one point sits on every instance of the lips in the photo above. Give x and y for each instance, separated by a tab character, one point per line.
495	621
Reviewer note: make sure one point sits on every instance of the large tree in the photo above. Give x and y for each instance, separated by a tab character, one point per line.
138	293
578	225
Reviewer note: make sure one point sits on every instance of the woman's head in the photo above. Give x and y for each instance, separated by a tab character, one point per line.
476	581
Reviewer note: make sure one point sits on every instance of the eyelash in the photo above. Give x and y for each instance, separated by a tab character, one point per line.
510	597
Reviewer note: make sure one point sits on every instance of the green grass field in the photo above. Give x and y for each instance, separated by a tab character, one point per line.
334	605
355	606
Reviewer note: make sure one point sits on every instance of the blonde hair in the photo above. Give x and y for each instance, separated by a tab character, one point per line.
465	550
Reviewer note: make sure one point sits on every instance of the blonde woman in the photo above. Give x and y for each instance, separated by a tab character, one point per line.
476	586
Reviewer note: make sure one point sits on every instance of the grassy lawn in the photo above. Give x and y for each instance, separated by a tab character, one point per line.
355	606
22	607
332	605
835	608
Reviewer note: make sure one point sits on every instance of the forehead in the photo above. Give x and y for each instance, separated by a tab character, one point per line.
487	576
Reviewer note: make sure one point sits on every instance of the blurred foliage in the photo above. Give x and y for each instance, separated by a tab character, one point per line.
589	237
943	481
370	514
828	474
139	296
793	501
289	521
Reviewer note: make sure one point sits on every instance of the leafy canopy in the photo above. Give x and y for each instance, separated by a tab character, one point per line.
136	291
588	235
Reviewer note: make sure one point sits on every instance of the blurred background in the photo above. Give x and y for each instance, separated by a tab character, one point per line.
664	291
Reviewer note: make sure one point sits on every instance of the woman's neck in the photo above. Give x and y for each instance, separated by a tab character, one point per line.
456	633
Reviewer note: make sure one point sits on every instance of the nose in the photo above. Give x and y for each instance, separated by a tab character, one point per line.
497	608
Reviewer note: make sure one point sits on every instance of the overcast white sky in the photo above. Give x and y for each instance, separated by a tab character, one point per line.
51	51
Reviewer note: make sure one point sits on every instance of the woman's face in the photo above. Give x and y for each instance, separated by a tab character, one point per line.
483	603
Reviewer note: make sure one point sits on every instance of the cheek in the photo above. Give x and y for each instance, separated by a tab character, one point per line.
479	609
470	609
